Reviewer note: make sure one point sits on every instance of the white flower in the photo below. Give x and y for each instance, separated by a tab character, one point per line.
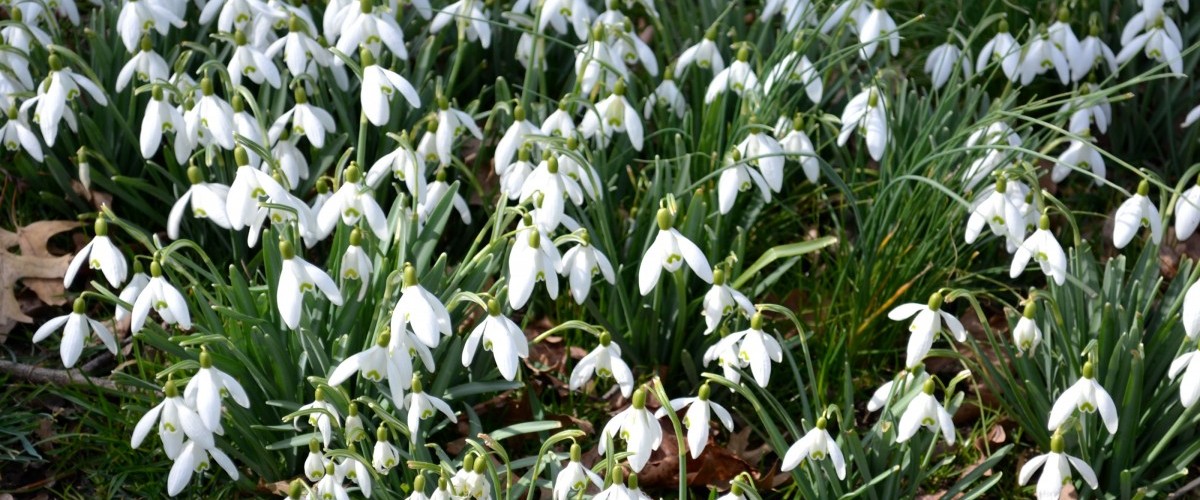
138	18
404	164
436	191
1189	387
605	361
379	88
296	278
816	445
726	355
238	14
1057	471
324	416
330	486
356	265
795	12
471	481
306	120
1045	250
995	139
1003	48
925	411
1136	212
1027	335
866	114
354	426
422	406
755	349
194	458
249	187
638	428
100	253
557	13
619	491
1041	55
559	123
468	17
314	462
942	62
796	68
878	26
131	291
161	118
1085	109
17	135
722	300
385	456
574	478
163	298
350	203
1087	396
1000	213
667	93
797	145
705	54
699	414
204	391
1080	154
883	394
501	336
175	420
926	324
146	64
208	201
1191	118
301	53
1187	213
210	121
356	471
377	363
452	123
552	186
1063	36
580	263
669	251
251	62
595	60
77	327
1092	51
420	310
1160	41
370	28
60	86
613	114
763	151
520	131
533	258
738	77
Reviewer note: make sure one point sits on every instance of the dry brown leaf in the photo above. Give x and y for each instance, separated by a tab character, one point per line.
34	266
98	199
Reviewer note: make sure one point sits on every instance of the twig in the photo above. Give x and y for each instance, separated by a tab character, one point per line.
1186	488
38	374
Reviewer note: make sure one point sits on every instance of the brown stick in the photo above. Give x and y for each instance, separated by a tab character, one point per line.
38	374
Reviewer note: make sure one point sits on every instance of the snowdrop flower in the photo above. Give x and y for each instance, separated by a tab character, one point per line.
164	298
668	94
866	114
595	60
738	77
77	327
1080	154
604	361
377	363
1063	36
876	27
1087	396
796	68
619	491
1042	247
1137	212
628	45
883	394
669	251
574	478
580	263
356	471
850	13
422	406
1027	335
251	62
238	14
404	164
558	13
942	61
1086	110
330	486
797	145
301	53
763	151
1057	470
699	414
722	300
1189	388
351	202
1041	55
1003	48
314	462
559	123
246	125
452	123
210	121
1000	214
131	291
250	186
306	120
1191	118
194	458
371	28
814	446
147	65
324	419
353	425
100	253
296	278
175	420
705	54
1160	39
293	210
638	427
995	139
1187	213
552	186
139	17
1092	51
437	190
501	336
161	118
513	138
795	13
60	86
356	265
420	310
533	258
385	456
469	18
754	348
25	30
925	411
727	357
418	489
207	199
17	135
613	114
471	481
379	87
203	392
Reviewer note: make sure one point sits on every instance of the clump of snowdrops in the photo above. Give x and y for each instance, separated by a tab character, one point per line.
365	235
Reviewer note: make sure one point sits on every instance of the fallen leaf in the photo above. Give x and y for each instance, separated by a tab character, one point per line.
34	262
98	199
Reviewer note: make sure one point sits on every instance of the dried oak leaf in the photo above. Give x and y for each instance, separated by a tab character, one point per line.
34	266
